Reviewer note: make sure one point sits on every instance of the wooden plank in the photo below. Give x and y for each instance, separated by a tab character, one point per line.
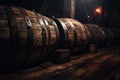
79	68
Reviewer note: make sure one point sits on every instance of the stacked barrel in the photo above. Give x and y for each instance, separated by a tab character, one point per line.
27	37
73	33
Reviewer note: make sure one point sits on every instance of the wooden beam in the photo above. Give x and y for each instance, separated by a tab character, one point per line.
69	8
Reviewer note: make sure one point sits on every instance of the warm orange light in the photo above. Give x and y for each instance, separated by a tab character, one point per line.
99	10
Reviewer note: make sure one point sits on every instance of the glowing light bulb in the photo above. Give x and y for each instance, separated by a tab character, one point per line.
99	10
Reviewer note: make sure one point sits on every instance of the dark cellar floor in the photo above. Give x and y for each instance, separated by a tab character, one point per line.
103	65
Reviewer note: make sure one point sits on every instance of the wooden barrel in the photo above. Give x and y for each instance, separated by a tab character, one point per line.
73	33
98	35
25	36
